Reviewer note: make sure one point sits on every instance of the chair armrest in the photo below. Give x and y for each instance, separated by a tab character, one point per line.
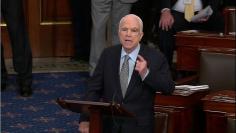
218	50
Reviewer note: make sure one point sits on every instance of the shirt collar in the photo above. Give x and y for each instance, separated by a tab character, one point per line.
133	55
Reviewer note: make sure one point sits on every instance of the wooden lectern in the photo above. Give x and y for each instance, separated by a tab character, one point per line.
96	110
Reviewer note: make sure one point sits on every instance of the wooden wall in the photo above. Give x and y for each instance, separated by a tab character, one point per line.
49	27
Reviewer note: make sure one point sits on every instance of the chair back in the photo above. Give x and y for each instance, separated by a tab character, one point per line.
231	125
217	69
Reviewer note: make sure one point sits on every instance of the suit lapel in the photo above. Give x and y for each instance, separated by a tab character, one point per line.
116	73
135	77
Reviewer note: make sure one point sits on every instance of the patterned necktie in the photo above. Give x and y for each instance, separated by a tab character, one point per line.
124	74
189	10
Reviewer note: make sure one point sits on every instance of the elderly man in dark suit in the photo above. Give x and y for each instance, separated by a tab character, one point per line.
105	14
172	20
148	72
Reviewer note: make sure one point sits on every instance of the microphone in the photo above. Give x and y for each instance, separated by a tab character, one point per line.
114	105
113	102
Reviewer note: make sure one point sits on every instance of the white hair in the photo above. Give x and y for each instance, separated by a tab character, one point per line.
134	16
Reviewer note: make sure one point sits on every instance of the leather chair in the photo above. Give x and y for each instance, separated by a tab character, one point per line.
161	122
217	69
231	124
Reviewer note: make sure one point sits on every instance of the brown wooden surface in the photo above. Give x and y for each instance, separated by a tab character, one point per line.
228	13
49	27
96	110
218	106
95	125
188	45
216	122
184	111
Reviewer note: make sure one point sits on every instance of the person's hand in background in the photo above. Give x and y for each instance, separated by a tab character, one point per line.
166	20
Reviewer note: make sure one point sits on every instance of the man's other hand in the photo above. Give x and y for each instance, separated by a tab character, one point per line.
141	66
166	20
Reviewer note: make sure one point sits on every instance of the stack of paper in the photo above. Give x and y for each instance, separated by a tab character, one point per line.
207	11
224	98
191	87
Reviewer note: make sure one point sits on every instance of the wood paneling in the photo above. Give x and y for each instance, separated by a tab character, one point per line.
54	10
49	27
5	42
189	44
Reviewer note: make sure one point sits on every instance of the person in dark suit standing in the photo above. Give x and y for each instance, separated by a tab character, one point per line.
172	20
81	20
147	10
148	72
12	11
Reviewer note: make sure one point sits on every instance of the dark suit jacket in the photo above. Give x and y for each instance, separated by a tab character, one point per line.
215	4
139	97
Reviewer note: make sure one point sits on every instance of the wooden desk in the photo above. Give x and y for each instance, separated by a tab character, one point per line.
183	109
188	45
218	107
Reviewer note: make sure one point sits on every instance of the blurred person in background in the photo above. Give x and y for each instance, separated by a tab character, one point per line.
13	14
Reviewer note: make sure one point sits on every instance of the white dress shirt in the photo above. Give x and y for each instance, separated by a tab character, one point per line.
179	5
133	56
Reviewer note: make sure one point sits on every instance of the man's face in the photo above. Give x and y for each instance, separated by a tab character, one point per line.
130	33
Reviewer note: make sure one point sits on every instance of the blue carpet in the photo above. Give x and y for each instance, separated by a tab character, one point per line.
40	113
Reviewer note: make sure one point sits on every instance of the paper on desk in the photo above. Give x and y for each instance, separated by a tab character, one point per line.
190	31
192	87
207	11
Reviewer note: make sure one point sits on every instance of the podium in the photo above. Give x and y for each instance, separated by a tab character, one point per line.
95	110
